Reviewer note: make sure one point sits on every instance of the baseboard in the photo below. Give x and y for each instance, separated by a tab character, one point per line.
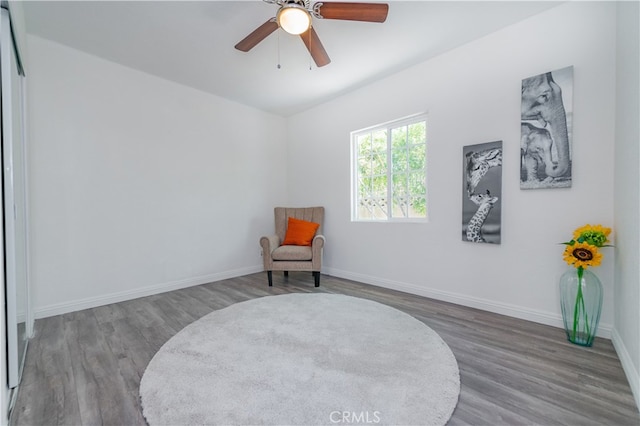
555	320
541	317
633	375
92	302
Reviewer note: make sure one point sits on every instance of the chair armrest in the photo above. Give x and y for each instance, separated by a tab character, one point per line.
316	252
268	243
317	242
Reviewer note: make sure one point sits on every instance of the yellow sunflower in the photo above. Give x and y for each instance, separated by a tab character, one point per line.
582	255
596	235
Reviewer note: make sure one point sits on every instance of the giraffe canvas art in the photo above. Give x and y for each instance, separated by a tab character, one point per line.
545	135
482	193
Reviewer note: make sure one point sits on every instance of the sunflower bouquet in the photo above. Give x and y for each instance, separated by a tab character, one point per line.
584	249
581	315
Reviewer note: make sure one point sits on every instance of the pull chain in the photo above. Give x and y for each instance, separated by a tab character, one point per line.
279	49
310	57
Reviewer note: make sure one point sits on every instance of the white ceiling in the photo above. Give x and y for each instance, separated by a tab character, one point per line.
192	43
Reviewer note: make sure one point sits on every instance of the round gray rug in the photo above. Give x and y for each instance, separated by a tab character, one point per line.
302	359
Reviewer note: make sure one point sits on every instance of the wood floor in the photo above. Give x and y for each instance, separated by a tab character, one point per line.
84	368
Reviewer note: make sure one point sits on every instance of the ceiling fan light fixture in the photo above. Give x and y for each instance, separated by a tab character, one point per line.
294	19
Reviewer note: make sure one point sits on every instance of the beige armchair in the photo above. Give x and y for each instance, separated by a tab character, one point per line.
277	257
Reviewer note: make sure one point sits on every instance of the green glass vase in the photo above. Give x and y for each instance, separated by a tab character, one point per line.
581	304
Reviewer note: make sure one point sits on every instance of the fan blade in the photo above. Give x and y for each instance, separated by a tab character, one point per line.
316	49
369	12
260	33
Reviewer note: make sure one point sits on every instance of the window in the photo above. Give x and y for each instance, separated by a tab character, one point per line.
389	171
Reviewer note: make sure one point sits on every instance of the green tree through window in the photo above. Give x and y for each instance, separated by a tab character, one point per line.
390	171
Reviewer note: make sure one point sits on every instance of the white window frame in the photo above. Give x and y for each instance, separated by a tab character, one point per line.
388	126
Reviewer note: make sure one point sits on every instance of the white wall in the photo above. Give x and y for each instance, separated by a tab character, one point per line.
472	95
626	337
140	185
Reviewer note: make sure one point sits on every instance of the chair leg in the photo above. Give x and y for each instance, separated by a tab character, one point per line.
286	273
270	276
316	276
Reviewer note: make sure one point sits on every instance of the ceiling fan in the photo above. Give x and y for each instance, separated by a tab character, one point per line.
295	17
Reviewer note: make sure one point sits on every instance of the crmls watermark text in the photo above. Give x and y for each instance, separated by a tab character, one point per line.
348	417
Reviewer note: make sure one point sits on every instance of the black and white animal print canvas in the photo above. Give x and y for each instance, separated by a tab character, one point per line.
546	130
482	192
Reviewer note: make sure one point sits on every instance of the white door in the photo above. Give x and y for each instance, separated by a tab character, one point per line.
14	201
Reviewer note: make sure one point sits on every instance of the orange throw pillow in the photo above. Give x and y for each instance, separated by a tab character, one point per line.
299	232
